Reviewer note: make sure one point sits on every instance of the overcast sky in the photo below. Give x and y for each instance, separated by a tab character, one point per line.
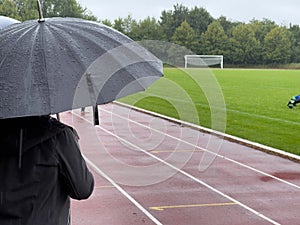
282	12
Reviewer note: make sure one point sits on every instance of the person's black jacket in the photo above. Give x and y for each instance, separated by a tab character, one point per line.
41	167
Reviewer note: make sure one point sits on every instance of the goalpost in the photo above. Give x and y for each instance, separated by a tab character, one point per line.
203	60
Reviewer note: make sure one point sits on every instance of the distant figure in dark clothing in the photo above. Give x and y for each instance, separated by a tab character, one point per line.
293	101
41	167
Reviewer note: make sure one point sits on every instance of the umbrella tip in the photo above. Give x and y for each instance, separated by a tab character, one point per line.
41	19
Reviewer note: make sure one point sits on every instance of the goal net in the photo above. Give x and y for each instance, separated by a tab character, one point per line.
203	60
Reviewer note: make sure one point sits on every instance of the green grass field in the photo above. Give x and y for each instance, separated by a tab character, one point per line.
255	102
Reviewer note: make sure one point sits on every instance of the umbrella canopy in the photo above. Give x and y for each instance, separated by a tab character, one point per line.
57	64
6	21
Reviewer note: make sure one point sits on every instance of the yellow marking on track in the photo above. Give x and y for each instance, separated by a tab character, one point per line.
161	208
163	151
100	187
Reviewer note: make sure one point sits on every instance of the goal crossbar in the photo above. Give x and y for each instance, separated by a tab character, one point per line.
203	60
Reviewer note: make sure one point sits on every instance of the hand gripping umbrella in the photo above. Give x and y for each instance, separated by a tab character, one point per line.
53	65
6	21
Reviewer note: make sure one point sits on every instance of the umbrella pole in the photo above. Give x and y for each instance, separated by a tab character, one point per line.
93	98
96	115
57	116
41	19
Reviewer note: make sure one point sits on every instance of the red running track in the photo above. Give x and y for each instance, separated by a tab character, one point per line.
152	171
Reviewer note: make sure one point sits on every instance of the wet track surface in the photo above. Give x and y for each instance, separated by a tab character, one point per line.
153	171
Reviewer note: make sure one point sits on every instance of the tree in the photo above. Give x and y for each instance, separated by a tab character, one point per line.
125	25
118	24
214	41
295	42
277	46
180	14
128	24
199	19
227	25
245	47
171	20
261	28
147	29
185	36
27	9
166	25
9	8
88	15
107	22
62	8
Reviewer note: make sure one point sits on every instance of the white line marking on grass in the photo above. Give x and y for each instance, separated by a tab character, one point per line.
138	205
178	170
264	117
208	151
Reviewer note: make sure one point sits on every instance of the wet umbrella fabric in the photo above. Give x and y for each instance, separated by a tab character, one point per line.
6	21
65	63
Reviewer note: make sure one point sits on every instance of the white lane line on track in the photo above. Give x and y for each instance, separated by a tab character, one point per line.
138	205
180	171
208	151
228	137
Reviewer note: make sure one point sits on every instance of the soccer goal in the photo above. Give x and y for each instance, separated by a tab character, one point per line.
203	60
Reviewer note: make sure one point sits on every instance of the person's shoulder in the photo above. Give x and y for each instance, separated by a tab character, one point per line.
62	127
59	126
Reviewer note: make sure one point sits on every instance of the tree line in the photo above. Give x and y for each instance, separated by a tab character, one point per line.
258	42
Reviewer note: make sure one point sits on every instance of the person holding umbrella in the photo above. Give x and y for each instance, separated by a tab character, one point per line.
41	167
48	66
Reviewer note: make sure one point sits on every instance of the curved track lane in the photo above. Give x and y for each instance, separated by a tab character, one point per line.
152	171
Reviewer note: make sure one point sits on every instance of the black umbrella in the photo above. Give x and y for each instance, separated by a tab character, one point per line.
52	65
6	21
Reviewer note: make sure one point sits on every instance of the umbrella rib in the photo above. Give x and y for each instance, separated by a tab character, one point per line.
14	44
68	45
28	73
45	78
39	74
